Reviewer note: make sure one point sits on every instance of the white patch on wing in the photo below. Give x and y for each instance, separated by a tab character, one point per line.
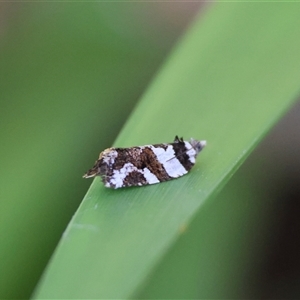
191	152
168	159
150	177
118	176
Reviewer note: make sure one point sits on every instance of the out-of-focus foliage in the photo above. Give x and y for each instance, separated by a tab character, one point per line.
226	82
70	75
245	242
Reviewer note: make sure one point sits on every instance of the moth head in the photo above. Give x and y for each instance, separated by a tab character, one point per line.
197	145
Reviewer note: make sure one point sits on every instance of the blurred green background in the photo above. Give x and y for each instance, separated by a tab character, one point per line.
71	74
245	243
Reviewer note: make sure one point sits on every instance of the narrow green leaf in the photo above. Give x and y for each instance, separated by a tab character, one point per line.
231	78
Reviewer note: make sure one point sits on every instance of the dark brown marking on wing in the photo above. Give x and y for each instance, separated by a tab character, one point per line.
134	178
150	161
180	153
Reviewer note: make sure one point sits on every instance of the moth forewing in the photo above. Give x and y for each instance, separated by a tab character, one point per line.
143	165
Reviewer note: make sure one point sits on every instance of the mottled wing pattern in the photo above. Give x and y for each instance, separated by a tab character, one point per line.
149	164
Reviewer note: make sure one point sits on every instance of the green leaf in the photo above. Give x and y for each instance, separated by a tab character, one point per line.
230	79
59	85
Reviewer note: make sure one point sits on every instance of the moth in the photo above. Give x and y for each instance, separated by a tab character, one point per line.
143	165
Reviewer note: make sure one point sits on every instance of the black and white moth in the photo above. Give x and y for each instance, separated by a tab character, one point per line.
149	164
